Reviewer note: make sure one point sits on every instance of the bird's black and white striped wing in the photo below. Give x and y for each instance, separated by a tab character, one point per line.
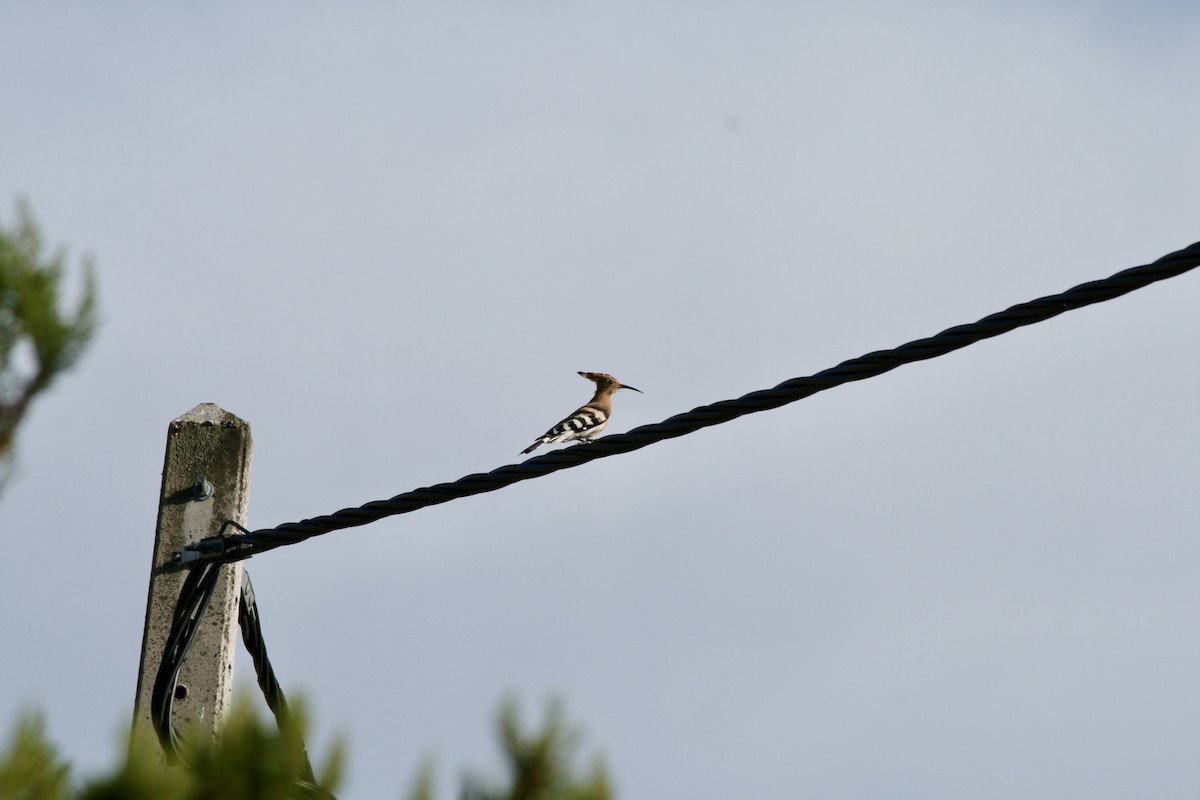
583	424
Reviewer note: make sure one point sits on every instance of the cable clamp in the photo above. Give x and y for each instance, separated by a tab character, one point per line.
212	549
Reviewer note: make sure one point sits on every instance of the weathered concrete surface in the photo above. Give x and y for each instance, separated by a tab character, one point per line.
210	442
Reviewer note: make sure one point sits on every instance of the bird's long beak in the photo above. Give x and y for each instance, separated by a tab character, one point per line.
639	391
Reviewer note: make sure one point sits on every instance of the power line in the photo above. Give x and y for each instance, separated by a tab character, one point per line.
245	544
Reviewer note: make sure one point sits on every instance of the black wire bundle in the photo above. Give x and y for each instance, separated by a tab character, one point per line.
194	598
256	646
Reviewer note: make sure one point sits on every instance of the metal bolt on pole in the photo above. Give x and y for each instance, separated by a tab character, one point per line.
206	478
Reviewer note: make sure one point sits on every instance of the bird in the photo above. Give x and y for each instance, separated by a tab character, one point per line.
587	421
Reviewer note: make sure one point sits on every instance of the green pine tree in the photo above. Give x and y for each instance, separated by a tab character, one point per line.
30	768
38	341
540	764
254	760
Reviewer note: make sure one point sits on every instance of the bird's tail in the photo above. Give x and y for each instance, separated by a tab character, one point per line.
534	446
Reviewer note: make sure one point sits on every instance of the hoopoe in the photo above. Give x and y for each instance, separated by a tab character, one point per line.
588	420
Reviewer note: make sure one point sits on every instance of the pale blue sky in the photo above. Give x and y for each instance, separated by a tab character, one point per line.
388	237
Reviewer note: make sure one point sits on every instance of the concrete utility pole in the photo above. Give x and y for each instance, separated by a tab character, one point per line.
206	479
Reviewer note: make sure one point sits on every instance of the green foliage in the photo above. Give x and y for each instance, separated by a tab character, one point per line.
423	785
142	776
38	342
29	765
254	760
539	764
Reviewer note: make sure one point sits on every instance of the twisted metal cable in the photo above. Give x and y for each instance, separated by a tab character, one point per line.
250	622
248	543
